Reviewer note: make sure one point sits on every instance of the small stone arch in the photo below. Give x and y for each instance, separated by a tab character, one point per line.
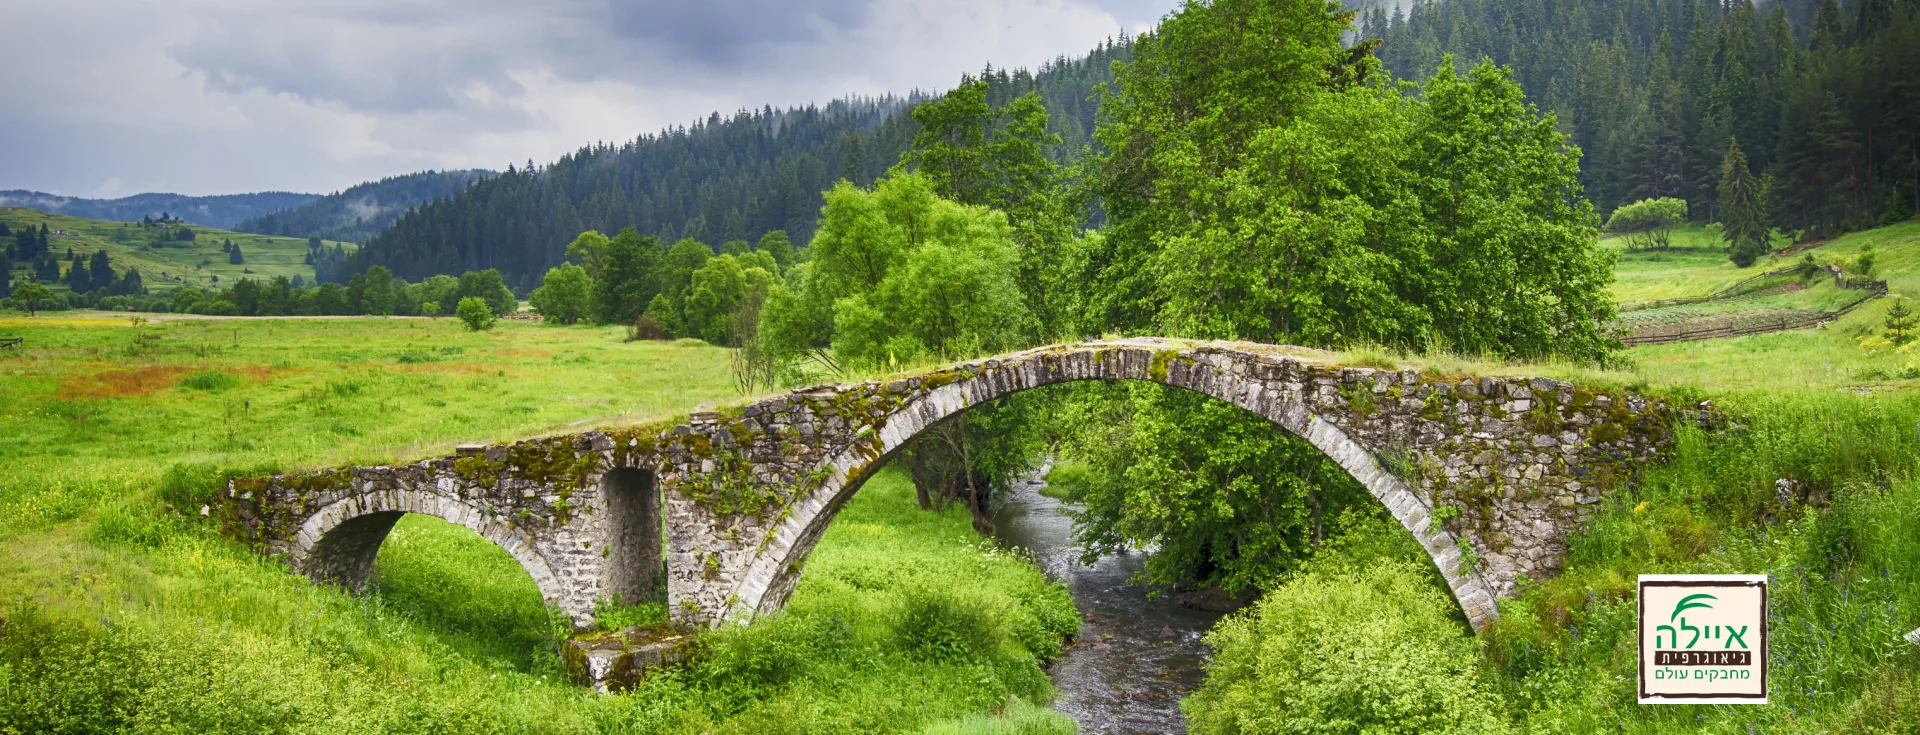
339	543
771	575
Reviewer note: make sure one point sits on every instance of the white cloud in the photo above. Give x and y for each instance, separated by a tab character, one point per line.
221	96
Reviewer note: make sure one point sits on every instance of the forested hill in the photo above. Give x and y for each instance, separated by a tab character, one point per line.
357	214
219	212
719	180
1821	96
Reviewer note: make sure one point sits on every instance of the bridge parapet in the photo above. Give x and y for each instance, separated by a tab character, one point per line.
1488	473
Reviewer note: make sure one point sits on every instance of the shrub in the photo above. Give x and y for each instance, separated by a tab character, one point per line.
1645	223
938	624
210	380
646	327
476	314
1370	650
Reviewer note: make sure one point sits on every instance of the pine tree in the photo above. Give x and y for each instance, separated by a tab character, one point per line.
1739	209
101	271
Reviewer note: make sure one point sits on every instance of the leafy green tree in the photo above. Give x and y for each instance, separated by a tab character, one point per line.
488	286
235	258
1509	265
714	294
476	313
1739	210
735	247
897	273
245	295
276	297
564	296
32	295
626	283
1647	223
1181	116
441	292
676	280
1223	497
590	248
776	245
975	153
371	292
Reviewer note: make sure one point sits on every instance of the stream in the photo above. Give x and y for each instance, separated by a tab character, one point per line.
1135	658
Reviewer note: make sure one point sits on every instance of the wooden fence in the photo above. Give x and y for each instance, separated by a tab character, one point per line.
1654	336
1729	291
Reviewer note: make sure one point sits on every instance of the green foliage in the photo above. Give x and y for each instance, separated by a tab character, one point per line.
898	273
623	274
1901	322
1832	538
486	285
615	615
1739	210
31	295
718	292
564	296
168	627
361	211
939	625
1223	496
776	245
675	278
1255	195
1647	223
210	380
475	314
1365	650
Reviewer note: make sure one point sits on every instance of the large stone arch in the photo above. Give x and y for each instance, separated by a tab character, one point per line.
1517	462
339	543
772	576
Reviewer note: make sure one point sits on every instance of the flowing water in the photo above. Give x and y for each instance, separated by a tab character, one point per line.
1135	658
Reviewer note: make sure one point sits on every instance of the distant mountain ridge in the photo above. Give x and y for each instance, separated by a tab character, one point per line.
221	211
360	212
718	180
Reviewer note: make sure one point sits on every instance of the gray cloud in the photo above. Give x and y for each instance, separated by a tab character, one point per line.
110	97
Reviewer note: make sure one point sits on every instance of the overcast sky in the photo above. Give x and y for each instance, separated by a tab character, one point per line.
105	98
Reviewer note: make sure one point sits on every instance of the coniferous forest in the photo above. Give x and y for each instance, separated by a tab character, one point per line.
719	180
1822	99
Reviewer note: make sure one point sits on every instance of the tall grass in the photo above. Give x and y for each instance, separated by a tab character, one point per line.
1839	539
120	609
904	619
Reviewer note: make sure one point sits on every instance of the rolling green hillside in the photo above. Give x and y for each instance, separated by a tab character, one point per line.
166	264
1828	356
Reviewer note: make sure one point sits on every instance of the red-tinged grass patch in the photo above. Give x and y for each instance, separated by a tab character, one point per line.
120	382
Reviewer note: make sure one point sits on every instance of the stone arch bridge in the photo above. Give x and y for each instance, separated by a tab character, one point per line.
1488	473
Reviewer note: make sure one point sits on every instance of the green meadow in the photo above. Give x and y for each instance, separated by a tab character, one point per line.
185	263
125	612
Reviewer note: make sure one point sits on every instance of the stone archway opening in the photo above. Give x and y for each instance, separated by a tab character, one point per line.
463	590
636	569
1343	475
